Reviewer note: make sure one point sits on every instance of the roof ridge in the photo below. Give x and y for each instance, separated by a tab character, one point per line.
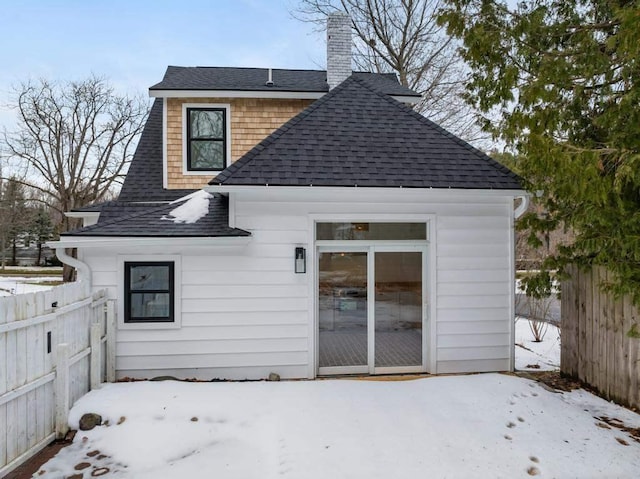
278	68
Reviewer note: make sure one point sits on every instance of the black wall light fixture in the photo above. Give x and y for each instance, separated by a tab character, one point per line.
301	260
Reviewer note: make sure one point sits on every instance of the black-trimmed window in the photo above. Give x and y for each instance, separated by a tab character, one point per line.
206	139
149	292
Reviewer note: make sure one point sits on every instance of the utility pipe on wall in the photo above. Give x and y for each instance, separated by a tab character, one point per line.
522	207
84	272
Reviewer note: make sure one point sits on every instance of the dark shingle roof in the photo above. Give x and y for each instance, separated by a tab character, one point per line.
96	207
144	178
357	136
117	209
254	79
145	220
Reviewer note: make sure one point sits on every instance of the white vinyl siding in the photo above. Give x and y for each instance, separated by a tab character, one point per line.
246	313
473	271
474	290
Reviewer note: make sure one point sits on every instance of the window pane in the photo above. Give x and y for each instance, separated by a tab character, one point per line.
398	309
150	305
342	297
207	124
208	155
149	277
371	231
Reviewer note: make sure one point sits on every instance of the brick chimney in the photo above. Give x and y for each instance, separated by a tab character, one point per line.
338	48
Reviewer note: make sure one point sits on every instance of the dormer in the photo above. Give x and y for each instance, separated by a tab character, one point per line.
214	115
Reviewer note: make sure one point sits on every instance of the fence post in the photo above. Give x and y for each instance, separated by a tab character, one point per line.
111	341
62	390
96	360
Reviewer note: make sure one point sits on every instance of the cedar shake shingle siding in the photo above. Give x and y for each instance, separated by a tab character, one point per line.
252	120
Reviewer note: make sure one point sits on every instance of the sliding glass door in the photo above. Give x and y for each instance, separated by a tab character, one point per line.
371	309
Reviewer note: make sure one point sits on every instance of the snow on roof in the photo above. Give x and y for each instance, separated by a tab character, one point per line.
193	207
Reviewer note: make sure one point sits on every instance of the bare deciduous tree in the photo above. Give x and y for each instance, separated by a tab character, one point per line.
74	140
403	36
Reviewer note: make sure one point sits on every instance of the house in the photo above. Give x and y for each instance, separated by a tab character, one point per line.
304	223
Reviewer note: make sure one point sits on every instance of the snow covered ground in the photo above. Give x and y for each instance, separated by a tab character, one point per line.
480	426
532	356
28	284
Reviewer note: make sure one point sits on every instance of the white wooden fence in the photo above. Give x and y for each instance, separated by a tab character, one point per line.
55	346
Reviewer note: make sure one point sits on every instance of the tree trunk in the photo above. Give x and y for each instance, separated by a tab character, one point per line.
14	252
39	254
68	272
2	251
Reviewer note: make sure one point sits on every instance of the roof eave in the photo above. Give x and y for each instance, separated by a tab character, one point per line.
83	214
274	94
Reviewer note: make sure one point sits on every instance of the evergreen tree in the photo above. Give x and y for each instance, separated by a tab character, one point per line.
41	230
563	78
14	218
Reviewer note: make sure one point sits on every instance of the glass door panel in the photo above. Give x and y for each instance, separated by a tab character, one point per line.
398	309
342	299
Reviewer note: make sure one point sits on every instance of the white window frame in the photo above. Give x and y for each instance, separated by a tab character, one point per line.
185	140
428	284
371	249
177	291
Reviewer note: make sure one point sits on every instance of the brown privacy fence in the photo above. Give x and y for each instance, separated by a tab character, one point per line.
596	346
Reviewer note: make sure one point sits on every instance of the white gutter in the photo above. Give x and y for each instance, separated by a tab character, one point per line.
84	272
81	214
88	217
297	95
391	191
412	100
522	207
126	241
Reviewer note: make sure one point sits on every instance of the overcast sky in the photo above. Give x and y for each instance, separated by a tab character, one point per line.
131	42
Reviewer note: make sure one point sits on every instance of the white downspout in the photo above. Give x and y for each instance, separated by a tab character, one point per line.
517	213
84	272
522	207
